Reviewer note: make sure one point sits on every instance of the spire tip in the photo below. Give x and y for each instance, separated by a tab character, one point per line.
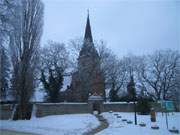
88	11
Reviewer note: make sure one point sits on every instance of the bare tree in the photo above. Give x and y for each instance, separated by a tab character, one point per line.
160	73
113	69
7	8
24	44
130	68
6	15
74	47
4	73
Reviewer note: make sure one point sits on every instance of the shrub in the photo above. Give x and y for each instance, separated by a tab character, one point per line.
143	106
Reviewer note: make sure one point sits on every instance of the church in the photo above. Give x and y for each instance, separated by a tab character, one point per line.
88	80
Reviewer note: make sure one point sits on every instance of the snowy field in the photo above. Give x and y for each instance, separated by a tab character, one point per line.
75	124
117	126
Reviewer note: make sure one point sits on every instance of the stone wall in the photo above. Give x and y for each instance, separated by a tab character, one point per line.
118	107
5	111
44	109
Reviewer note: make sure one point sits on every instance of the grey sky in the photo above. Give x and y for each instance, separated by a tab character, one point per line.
128	26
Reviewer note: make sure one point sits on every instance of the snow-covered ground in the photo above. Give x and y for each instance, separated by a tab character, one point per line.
75	124
117	127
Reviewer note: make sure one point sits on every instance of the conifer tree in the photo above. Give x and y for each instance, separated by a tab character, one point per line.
131	89
53	84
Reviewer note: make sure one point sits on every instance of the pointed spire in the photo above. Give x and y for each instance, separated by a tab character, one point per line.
88	34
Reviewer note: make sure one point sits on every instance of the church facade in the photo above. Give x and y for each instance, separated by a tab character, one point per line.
88	80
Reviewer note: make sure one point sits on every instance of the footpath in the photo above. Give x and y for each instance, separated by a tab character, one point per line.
103	125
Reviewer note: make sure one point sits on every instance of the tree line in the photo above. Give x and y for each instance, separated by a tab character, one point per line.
156	75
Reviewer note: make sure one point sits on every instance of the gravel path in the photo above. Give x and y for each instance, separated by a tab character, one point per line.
10	132
103	125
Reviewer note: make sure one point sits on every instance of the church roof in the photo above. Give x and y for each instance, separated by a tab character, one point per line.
88	34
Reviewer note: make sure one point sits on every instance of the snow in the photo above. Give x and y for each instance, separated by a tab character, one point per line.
34	109
116	126
66	82
118	102
65	103
95	97
13	111
77	124
39	93
74	124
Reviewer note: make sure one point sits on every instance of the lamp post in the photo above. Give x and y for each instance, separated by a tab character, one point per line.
132	93
135	113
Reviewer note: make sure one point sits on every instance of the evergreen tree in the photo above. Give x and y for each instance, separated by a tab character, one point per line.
54	62
4	73
131	89
143	105
113	94
53	84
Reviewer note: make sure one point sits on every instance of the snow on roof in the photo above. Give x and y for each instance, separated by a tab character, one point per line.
62	103
118	102
95	97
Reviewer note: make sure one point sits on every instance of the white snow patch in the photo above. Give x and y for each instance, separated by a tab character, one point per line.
13	111
118	102
116	126
74	124
38	95
33	114
64	103
66	82
95	97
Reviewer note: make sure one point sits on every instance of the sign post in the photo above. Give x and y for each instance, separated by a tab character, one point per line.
168	105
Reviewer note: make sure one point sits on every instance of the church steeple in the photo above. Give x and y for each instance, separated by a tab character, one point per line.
88	78
88	34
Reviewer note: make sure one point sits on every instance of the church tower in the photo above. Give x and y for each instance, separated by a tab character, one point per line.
88	80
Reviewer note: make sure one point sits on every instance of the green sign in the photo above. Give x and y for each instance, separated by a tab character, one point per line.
168	105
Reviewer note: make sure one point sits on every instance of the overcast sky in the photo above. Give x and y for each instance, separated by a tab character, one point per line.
128	26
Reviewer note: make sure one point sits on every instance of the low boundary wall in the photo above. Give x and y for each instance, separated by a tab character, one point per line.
118	107
6	111
45	109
